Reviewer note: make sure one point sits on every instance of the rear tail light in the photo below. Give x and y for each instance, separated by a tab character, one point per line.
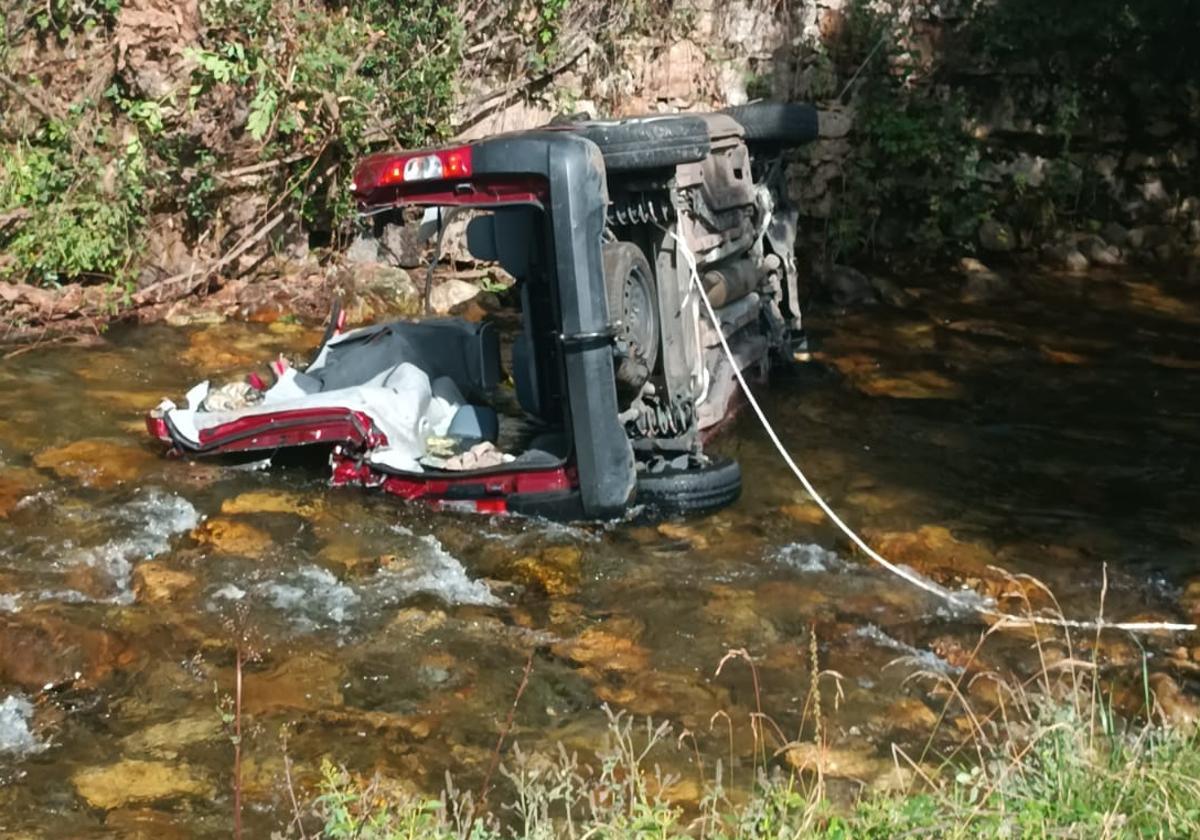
386	170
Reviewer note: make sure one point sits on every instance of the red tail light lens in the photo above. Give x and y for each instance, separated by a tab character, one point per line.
390	169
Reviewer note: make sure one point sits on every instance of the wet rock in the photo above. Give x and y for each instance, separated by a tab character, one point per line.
1190	600
232	537
39	650
412	621
996	237
450	293
681	696
683	533
610	646
132	781
145	824
272	501
736	612
96	462
805	512
130	401
16	484
787	601
554	571
416	727
909	714
1175	707
837	762
982	285
166	740
891	293
308	681
848	286
154	583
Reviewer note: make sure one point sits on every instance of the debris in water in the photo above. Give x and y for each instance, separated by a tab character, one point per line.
922	658
809	557
15	734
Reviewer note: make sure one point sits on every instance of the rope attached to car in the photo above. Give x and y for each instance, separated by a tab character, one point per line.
970	601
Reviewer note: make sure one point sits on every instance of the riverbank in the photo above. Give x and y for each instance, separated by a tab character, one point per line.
1049	760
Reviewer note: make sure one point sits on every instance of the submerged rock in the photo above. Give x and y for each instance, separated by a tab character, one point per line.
154	583
982	285
165	740
806	512
131	780
16	484
837	762
39	650
308	681
232	537
611	646
96	462
1176	708
554	571
272	501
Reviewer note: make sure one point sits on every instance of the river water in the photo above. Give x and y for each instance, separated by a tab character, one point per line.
1049	436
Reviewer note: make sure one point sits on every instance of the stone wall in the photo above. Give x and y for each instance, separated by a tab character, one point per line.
1095	167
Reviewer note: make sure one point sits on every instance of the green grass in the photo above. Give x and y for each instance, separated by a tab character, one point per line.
1033	767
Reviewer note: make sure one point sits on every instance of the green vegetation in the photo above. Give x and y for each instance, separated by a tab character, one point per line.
1032	767
82	214
950	120
303	87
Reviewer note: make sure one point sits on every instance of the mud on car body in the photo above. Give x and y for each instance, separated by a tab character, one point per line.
617	378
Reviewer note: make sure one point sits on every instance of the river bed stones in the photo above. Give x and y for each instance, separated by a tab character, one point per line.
308	681
553	571
273	501
232	536
15	484
168	739
96	462
155	583
132	781
39	650
858	763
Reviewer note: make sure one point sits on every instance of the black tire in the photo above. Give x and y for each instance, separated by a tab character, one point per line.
633	302
653	142
780	123
691	491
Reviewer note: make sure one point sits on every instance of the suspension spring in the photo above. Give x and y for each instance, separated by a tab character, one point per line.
641	208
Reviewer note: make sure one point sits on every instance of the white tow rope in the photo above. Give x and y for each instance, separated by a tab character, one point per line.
956	599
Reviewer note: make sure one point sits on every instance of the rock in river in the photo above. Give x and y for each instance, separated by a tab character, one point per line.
131	780
95	462
154	583
37	650
233	537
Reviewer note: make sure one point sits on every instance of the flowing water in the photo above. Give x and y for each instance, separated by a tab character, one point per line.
1050	436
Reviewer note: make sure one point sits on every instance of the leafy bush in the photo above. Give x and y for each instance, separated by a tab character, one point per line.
83	213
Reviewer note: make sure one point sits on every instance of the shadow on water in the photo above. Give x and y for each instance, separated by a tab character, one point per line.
1048	437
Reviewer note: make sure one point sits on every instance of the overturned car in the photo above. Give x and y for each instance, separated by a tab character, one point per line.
615	377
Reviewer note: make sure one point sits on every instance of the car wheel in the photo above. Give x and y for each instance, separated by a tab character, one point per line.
633	305
780	123
648	142
698	489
